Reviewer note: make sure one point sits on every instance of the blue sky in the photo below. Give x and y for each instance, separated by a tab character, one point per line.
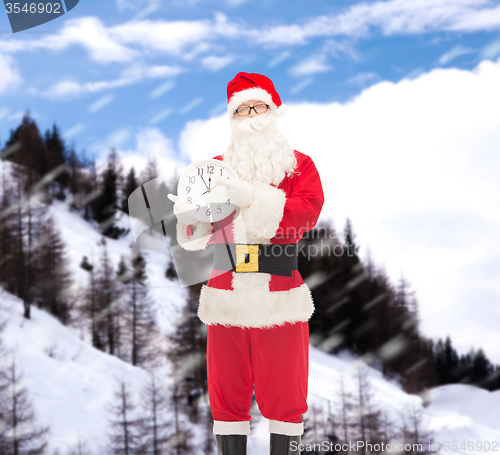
396	101
107	68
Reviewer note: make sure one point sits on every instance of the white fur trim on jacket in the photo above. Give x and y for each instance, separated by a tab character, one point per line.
286	428
221	427
262	218
199	239
242	96
254	307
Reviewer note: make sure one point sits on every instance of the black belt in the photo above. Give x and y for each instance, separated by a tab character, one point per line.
275	259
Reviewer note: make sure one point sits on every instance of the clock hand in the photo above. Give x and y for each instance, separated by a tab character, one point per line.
204	182
209	190
209	182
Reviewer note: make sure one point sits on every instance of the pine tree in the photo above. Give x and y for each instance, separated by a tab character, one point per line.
31	154
56	162
130	186
21	434
105	206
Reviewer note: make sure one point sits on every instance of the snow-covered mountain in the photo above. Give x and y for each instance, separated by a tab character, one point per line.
71	383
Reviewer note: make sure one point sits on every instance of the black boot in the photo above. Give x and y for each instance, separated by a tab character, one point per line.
231	444
284	445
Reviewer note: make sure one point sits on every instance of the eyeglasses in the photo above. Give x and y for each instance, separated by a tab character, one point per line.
258	108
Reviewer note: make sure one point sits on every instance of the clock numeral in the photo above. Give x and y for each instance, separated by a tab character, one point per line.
188	189
208	212
200	171
198	207
210	169
189	200
219	209
228	201
192	178
221	172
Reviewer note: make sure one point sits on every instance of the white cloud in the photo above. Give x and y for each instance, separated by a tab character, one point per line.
215	63
414	165
132	75
150	143
124	5
312	65
491	51
363	78
452	54
389	17
127	41
10	78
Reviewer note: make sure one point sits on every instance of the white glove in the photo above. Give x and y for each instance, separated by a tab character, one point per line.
240	192
182	210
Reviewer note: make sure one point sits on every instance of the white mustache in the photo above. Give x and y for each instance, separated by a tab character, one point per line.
248	125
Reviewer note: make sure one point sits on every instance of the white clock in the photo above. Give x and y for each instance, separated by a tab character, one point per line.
210	201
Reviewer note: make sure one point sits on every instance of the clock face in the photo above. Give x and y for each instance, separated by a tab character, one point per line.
209	201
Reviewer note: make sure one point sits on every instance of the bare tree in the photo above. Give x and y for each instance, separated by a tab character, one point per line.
368	416
155	426
53	276
140	325
413	430
125	437
80	448
343	423
21	434
108	303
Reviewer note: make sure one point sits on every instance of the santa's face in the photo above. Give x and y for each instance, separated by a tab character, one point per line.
253	116
257	150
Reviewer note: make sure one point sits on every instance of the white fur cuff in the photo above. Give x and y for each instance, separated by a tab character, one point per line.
221	427
199	239
264	215
286	428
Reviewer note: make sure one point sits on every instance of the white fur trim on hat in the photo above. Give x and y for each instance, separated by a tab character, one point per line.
247	307
282	110
242	96
200	238
286	428
221	427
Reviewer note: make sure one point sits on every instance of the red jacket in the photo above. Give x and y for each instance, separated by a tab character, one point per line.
278	215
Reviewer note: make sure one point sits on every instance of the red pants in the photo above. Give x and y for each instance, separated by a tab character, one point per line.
275	360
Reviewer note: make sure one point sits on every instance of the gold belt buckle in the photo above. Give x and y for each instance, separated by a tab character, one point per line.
253	264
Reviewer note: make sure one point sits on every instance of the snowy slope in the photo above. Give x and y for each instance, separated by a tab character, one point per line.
71	383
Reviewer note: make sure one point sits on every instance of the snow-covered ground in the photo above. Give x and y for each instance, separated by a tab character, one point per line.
71	383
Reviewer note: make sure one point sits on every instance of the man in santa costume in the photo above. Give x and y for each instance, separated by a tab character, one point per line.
257	320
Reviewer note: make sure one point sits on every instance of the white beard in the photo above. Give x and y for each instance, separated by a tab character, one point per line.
258	151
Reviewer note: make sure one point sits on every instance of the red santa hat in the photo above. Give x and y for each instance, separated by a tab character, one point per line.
253	86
